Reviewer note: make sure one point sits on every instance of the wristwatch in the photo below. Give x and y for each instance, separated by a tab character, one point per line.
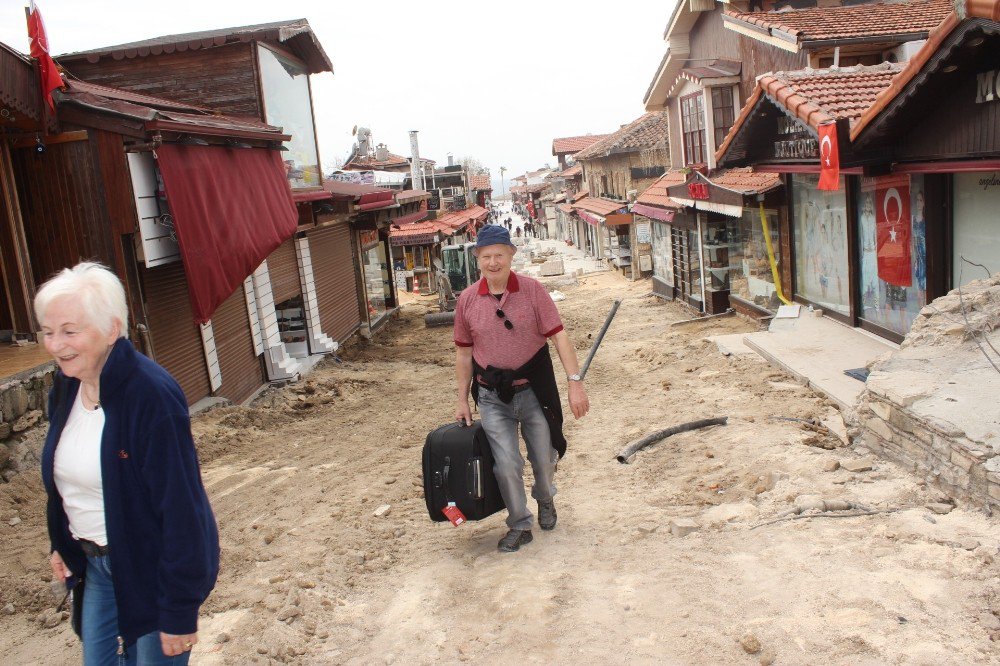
574	378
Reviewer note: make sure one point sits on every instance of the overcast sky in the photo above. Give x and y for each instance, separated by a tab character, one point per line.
495	81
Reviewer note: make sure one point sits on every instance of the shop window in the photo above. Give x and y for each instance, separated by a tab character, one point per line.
376	275
820	233
693	128
977	200
723	113
286	97
750	275
662	263
292	326
892	244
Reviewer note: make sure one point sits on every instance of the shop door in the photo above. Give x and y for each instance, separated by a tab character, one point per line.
242	373
687	267
176	339
283	267
336	284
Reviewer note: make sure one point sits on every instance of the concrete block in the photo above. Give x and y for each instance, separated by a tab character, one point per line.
879	427
552	267
880	409
858	465
681	527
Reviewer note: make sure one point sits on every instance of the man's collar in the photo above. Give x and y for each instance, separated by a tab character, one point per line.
512	285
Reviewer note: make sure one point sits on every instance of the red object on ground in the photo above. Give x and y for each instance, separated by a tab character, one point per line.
49	73
231	209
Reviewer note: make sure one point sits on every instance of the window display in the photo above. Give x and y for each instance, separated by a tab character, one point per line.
977	200
892	245
663	267
750	275
376	275
292	327
820	234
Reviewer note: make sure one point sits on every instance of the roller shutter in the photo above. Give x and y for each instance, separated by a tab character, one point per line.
283	268
336	286
177	344
242	373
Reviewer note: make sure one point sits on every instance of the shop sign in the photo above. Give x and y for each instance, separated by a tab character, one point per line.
698	190
988	86
796	143
369	238
642	233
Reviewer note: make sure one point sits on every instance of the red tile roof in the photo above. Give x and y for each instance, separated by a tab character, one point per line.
354	190
458	219
409	196
745	180
598	205
480	181
572	172
821	95
985	9
530	189
569	145
566	208
370	162
649	130
889	19
581	194
656	194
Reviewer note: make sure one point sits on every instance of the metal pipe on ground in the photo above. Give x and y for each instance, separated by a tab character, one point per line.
635	446
433	319
600	337
705	318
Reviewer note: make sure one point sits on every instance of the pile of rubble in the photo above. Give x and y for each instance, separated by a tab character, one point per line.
932	405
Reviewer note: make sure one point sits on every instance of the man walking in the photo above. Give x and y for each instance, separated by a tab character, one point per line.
502	326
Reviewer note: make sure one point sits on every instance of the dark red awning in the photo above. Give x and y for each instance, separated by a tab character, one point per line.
375	200
653	212
409	219
231	208
310	195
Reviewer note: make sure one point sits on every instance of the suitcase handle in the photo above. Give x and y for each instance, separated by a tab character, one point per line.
474	478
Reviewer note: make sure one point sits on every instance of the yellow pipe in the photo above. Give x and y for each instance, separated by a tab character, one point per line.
770	256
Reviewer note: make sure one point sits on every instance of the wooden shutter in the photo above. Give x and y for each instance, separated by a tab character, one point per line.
177	343
242	373
284	270
336	286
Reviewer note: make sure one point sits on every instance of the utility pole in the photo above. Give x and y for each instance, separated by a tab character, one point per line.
503	170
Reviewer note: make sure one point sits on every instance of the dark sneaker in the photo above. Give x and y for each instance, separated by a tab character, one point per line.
546	514
514	540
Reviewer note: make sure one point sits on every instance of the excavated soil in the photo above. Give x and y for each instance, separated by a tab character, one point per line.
310	575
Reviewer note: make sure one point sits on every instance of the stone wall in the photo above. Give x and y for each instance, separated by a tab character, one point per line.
932	405
23	405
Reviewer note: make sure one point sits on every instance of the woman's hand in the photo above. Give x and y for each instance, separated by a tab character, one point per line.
59	569
174	645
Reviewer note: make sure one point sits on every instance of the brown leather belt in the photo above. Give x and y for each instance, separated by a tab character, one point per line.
91	549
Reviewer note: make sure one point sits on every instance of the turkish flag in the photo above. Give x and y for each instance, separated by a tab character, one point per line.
829	158
892	229
50	78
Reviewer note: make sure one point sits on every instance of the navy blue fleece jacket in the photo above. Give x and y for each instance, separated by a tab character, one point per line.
162	537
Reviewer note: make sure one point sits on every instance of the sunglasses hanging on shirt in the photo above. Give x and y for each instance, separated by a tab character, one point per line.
506	322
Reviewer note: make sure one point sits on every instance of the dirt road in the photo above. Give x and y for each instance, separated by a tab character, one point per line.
310	575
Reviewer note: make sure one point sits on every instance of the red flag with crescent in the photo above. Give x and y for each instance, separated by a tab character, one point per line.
829	158
892	229
50	78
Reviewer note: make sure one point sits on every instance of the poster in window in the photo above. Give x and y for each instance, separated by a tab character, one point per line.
892	226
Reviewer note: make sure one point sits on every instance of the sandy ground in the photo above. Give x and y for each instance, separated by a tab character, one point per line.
310	575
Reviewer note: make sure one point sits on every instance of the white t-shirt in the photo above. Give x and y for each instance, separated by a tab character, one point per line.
78	472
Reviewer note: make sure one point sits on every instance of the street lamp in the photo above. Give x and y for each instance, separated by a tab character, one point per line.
503	170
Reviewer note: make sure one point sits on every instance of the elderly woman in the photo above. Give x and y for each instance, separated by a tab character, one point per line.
131	528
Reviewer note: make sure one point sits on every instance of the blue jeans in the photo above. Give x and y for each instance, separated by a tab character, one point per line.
100	626
500	421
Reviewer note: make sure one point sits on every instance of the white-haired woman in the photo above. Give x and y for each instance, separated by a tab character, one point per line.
131	528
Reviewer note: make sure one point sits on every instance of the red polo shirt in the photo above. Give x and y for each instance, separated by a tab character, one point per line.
526	304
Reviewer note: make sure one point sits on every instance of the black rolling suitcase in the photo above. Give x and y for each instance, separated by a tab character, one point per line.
458	467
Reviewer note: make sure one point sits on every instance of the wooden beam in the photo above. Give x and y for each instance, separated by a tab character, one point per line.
52	139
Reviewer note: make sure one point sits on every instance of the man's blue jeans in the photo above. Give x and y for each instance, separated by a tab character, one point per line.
100	626
500	421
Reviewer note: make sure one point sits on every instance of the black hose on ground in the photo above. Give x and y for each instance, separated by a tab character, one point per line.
635	446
